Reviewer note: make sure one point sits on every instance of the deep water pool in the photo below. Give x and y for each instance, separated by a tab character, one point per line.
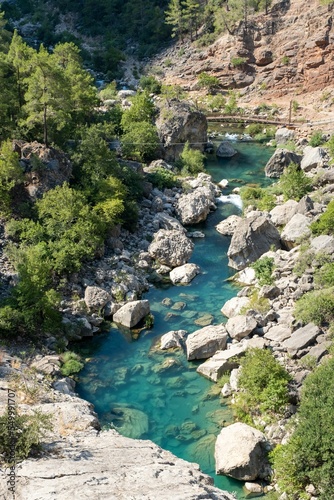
159	396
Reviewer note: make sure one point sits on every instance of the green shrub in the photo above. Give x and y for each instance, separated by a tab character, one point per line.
308	456
207	81
238	61
109	91
316	306
256	303
141	142
324	276
26	431
294	183
192	160
316	139
263	385
151	84
261	198
71	363
162	178
285	60
263	270
216	102
325	223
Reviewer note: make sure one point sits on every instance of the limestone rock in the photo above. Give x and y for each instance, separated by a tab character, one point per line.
177	124
279	160
323	243
171	248
240	326
96	298
233	306
304	206
297	227
281	214
184	274
205	342
284	135
106	466
313	158
253	237
227	226
301	338
50	365
246	276
172	339
223	361
194	207
131	313
225	150
167	222
278	333
240	452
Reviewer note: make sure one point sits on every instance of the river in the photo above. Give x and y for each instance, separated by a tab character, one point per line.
159	396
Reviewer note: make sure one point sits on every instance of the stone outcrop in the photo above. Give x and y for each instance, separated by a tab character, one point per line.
205	342
178	123
171	248
253	237
169	223
96	298
194	207
313	158
233	306
279	160
323	243
284	135
184	274
173	339
223	361
301	338
297	227
240	452
281	214
225	150
131	313
108	465
227	227
240	326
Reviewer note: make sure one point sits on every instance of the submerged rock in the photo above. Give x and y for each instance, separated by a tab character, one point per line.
130	422
225	150
184	274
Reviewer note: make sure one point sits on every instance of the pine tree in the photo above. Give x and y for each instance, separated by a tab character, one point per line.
175	17
192	11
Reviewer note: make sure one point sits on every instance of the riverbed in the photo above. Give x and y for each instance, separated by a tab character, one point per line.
150	394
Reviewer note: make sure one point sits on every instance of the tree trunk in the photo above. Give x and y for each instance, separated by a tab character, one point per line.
45	126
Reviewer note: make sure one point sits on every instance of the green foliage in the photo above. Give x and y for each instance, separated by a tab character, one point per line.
10	175
231	107
192	160
217	101
308	457
256	303
295	106
162	178
260	198
238	61
27	431
316	306
109	91
260	133
151	84
263	270
325	223
149	321
285	60
71	363
330	145
141	142
142	110
263	385
324	276
294	183
316	139
208	82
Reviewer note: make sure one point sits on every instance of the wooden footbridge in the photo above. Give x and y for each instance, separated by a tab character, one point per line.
251	119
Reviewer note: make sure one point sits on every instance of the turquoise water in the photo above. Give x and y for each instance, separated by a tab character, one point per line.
157	395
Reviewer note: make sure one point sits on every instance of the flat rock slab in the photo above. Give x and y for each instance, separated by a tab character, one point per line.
278	333
221	362
109	466
301	338
240	326
205	342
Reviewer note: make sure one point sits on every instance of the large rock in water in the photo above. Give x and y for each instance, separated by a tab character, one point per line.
178	123
108	466
205	342
252	237
240	452
194	207
184	274
131	313
279	160
225	150
171	248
